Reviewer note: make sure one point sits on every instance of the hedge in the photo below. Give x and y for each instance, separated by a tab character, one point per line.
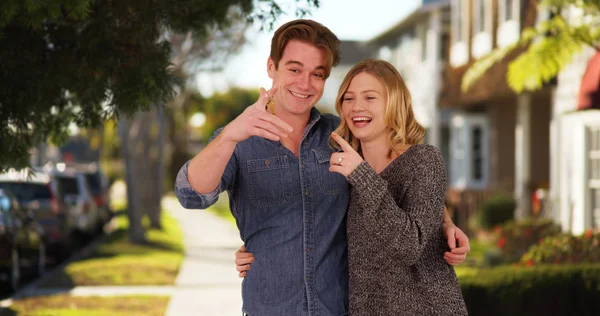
541	290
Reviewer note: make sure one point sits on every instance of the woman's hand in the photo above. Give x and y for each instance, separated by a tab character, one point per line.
458	242
346	161
243	260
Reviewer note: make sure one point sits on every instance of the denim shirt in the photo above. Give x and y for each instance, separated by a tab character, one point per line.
291	214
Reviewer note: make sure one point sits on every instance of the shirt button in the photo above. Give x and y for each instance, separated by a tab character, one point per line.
307	193
308	250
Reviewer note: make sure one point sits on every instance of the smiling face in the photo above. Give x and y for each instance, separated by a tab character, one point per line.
300	78
363	107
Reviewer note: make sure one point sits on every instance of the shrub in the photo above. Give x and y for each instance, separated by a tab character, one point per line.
564	249
496	211
542	290
514	238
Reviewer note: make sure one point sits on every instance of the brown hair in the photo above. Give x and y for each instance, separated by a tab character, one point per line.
399	115
309	32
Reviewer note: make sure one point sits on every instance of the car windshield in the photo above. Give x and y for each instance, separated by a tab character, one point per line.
93	181
26	192
67	185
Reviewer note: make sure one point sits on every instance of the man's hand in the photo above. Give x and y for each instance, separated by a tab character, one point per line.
256	121
243	260
344	162
458	243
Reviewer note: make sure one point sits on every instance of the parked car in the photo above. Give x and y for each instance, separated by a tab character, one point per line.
33	191
99	188
70	187
22	242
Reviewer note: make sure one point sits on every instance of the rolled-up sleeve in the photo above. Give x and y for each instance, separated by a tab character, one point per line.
188	197
191	199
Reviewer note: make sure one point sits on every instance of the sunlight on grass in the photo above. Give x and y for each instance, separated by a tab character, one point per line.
65	305
118	262
221	208
463	271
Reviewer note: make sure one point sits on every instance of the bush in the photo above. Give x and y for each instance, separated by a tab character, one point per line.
543	290
496	211
564	249
514	238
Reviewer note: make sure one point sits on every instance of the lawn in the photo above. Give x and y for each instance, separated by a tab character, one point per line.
66	305
221	208
118	262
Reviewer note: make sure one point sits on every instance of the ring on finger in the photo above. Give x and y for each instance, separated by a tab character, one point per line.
340	159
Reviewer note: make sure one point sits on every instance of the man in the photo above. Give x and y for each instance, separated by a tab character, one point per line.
289	208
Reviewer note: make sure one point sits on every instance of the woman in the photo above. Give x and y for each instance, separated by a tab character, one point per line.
395	242
396	246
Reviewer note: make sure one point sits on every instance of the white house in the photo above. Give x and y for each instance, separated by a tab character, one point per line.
417	47
351	53
575	149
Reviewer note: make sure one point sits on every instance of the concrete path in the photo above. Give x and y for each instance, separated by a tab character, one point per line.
207	283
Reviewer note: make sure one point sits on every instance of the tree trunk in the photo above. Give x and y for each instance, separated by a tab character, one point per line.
178	137
136	230
157	165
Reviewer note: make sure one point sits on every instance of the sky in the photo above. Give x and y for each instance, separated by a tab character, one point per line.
348	19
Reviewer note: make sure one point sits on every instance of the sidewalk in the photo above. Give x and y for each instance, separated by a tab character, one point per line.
207	283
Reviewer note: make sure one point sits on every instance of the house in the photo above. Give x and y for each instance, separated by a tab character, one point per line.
351	52
575	142
549	139
417	47
499	141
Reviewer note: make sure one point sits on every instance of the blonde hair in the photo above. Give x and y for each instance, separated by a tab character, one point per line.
399	115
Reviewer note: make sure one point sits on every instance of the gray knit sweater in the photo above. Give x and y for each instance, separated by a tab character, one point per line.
395	241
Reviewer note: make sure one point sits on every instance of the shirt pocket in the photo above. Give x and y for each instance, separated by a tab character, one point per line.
330	183
270	181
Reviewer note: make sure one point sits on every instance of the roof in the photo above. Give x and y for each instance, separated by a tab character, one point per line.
409	21
354	51
24	176
589	91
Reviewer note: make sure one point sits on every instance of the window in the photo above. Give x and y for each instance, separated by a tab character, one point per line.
477	156
468	151
443	51
480	21
457	21
509	24
594	174
424	43
507	10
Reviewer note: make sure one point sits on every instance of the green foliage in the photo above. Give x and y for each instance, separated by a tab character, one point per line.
514	238
551	45
78	62
543	290
118	262
222	108
496	210
564	249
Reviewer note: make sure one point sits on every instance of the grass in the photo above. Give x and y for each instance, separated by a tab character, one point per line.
118	262
66	305
221	208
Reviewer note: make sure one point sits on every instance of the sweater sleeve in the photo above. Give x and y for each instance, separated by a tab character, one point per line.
403	232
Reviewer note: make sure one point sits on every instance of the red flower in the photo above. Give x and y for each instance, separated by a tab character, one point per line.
529	262
588	234
501	242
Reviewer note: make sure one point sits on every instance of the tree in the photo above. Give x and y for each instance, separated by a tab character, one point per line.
66	62
81	62
551	46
